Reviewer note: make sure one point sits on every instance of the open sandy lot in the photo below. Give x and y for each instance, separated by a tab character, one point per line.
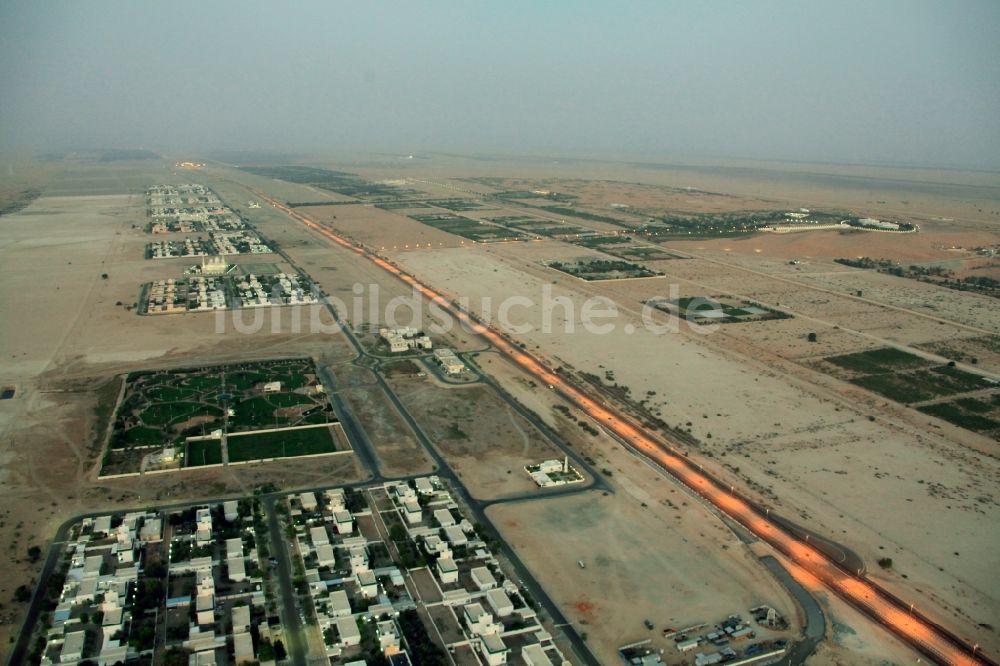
670	564
481	437
808	449
398	451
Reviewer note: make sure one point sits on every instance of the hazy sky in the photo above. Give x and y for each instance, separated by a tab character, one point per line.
901	81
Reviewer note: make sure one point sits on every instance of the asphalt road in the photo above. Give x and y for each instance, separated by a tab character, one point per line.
294	633
815	622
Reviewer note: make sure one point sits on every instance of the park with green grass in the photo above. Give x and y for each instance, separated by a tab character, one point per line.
191	409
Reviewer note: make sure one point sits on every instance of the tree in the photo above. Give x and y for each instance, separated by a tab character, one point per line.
176	656
22	594
812	337
104	276
34	553
265	651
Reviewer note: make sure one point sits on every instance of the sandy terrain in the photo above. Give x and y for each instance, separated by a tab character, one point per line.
398	451
481	437
641	556
811	447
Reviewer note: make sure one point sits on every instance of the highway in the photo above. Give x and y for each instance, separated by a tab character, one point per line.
902	619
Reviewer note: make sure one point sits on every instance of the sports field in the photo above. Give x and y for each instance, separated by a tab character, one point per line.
280	444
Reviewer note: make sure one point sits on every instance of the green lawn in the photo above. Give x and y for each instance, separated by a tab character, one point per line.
206	452
202	382
282	444
257	411
289	399
143	435
164	413
169	394
245	380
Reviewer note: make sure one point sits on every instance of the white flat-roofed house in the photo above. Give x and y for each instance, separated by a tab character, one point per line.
241	619
359	559
478	619
72	650
447	570
388	639
102	525
499	602
308	501
339	604
152	529
347	627
367	583
343	521
319	536
444	517
203	534
243	648
205	608
492	647
483	578
433	543
92	566
534	655
231	510
336	499
424	486
325	556
455	536
413	512
237	569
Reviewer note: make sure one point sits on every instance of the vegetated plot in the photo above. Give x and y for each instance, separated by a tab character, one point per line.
401	205
168	413
455	204
163	409
641	252
585	215
255	413
548	228
725	224
138	436
259	268
709	310
479	232
601	241
921	384
280	444
593	269
969	413
341	182
884	359
203	452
